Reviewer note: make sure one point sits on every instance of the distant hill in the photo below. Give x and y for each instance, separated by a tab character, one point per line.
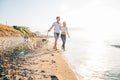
14	31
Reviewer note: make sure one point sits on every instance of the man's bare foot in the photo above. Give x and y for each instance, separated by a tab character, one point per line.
54	47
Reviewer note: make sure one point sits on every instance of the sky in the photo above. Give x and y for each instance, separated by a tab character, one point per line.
95	16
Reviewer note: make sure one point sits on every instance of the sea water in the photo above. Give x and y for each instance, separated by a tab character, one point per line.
93	56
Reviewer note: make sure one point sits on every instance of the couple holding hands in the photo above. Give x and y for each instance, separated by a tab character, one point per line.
58	28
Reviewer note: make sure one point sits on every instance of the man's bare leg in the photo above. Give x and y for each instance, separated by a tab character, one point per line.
55	43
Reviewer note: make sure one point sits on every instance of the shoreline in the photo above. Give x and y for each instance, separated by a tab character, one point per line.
73	70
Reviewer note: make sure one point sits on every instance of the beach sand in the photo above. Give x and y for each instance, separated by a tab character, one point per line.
47	64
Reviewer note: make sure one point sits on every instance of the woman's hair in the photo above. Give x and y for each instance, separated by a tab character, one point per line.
64	23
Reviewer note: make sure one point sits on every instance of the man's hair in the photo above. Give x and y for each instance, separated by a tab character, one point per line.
57	17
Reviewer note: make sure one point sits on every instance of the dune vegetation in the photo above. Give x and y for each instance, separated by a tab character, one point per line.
14	31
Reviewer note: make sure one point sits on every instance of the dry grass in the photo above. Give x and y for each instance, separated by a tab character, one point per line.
7	31
10	31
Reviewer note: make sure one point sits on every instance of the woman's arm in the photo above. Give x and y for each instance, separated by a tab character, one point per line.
68	34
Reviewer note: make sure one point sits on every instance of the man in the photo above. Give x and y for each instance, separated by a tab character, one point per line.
57	27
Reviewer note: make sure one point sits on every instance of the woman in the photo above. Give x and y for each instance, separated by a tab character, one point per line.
64	32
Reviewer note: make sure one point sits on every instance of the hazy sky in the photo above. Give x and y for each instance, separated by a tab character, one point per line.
100	15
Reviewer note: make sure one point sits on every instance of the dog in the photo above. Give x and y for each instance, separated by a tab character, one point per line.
44	42
33	41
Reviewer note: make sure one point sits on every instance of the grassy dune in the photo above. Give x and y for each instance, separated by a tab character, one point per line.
14	31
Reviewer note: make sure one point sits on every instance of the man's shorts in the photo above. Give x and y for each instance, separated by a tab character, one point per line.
56	35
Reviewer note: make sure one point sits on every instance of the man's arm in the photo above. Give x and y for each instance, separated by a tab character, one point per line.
50	28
